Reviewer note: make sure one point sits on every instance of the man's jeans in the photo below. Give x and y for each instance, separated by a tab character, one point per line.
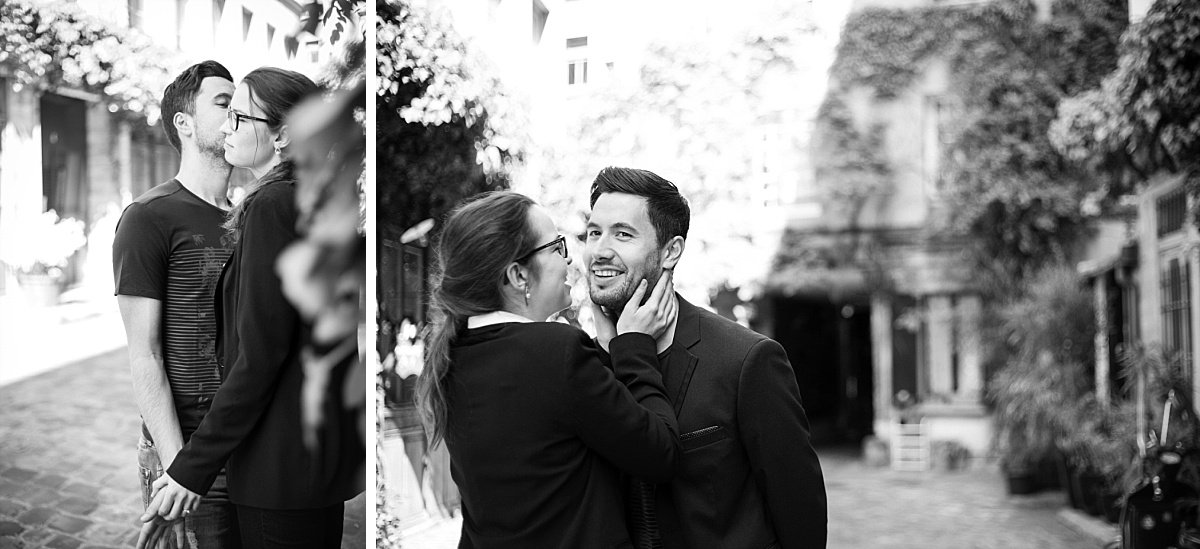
213	525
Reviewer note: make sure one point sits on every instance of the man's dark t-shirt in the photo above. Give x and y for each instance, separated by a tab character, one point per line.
170	246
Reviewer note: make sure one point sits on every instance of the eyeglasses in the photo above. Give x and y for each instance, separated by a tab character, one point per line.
235	119
560	244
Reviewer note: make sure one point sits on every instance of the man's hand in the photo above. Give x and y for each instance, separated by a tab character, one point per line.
170	500
158	531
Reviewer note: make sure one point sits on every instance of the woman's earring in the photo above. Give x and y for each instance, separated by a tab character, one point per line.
277	151
526	298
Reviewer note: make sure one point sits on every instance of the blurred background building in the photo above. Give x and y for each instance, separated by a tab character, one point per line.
911	196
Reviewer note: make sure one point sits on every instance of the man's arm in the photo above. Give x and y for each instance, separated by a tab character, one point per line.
775	432
143	327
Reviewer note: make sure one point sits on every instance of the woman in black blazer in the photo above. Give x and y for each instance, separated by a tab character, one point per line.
538	428
285	494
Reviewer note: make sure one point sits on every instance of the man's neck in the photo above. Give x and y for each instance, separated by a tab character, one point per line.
207	178
664	341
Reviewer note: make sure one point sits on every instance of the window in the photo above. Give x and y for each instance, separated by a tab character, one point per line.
135	13
1176	310
217	11
3	106
180	9
767	162
933	141
577	65
1171	208
540	14
290	45
247	18
577	72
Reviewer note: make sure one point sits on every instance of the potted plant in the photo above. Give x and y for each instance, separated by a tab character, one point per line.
38	248
1046	337
1101	450
1030	398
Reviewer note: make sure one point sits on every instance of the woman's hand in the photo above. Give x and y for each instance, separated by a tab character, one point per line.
657	314
605	330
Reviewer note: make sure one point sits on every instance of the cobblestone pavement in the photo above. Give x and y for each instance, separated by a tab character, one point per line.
68	460
881	508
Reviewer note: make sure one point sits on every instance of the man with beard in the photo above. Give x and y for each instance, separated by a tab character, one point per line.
748	476
167	255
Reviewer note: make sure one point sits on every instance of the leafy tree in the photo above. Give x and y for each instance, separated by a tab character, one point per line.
445	127
1145	117
695	114
50	45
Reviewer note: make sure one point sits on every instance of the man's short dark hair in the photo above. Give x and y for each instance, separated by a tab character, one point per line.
668	210
180	96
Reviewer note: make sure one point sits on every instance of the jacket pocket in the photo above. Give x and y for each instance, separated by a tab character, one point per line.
701	438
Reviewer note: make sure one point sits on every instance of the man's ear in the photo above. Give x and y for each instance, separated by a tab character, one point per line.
673	251
183	124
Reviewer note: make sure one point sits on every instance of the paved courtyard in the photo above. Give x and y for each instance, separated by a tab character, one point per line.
880	508
68	459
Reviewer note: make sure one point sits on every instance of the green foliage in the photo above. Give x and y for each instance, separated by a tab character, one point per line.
1146	115
445	127
1054	314
1005	184
1047	336
1032	404
1102	440
48	46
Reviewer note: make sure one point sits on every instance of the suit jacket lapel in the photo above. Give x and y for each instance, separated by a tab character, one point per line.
681	363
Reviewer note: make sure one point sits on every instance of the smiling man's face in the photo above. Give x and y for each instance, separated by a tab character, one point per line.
621	249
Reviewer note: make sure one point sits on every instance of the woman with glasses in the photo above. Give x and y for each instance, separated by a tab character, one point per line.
286	494
539	424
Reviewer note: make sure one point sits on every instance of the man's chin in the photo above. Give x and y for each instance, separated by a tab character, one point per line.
611	301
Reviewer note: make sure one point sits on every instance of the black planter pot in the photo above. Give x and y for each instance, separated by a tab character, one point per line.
1066	475
1047	474
1110	502
1021	482
1075	490
1092	489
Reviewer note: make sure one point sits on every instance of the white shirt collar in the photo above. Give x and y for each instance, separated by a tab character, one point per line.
494	317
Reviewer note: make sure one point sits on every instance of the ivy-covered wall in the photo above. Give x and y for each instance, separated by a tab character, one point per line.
1145	116
1001	182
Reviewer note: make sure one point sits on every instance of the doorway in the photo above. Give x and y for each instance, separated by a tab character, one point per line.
829	345
64	163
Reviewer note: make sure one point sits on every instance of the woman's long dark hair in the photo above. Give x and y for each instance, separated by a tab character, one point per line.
480	239
275	91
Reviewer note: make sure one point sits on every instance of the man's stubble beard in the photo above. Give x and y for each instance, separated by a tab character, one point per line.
615	301
212	148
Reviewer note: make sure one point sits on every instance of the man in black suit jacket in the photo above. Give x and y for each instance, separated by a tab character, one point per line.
749	476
